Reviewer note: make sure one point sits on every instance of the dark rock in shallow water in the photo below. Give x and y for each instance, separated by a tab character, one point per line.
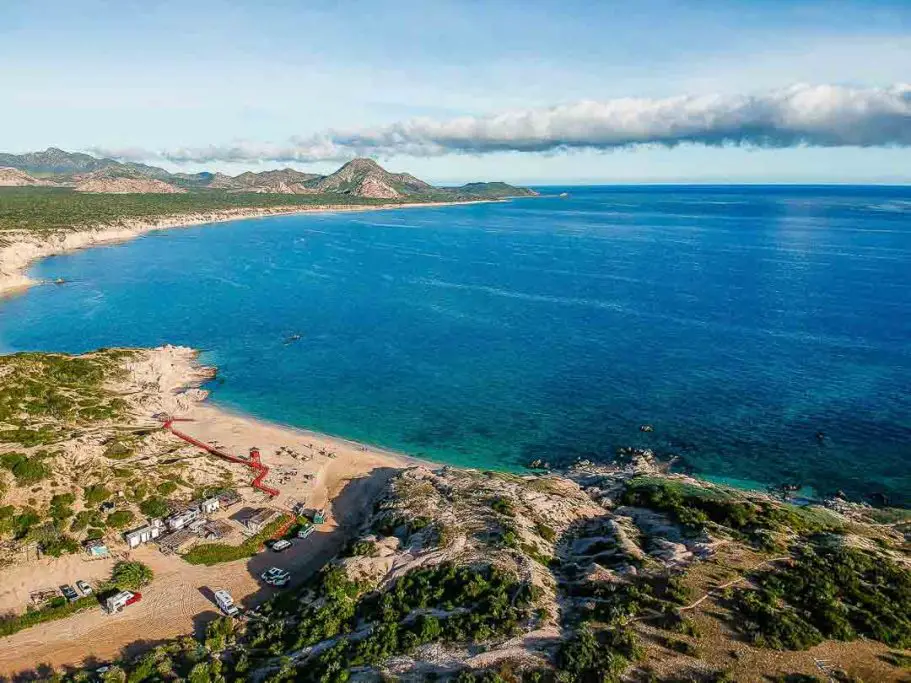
879	499
538	464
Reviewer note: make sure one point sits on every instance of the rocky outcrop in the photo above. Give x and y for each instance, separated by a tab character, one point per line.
119	181
494	190
13	177
284	181
127	186
366	178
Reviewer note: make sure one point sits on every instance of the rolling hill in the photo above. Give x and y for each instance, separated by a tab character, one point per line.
357	178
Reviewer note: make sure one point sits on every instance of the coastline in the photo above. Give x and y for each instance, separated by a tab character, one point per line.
20	249
341	476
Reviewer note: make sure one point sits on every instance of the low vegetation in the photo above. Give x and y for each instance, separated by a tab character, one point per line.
132	575
59	608
827	592
696	508
216	553
52	209
46	397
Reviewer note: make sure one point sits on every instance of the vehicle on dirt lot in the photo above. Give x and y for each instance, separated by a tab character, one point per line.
69	592
226	603
118	601
275	576
281	545
85	588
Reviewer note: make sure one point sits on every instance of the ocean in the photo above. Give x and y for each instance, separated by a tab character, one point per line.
739	322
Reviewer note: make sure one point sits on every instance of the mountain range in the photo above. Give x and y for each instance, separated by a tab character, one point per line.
359	178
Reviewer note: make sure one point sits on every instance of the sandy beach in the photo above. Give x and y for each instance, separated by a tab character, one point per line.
19	249
342	476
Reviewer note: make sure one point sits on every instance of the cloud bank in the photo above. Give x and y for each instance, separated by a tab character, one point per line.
803	115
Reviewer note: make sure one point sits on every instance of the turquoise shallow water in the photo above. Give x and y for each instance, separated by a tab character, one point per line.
737	321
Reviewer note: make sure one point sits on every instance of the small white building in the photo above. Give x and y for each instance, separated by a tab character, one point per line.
209	505
182	519
144	534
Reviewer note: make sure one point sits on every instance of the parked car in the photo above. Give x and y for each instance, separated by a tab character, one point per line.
84	587
305	531
275	576
69	592
281	545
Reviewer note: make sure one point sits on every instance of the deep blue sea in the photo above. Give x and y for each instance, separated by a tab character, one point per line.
739	321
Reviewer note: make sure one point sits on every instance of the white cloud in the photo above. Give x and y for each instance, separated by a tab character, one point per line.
802	115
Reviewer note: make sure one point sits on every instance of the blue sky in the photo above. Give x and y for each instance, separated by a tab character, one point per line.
121	75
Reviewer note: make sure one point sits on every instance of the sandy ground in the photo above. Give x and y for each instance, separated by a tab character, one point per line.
18	250
345	478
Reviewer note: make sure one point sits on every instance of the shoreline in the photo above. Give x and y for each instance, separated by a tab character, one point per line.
19	250
340	476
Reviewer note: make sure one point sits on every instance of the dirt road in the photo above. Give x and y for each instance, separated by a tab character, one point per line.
179	600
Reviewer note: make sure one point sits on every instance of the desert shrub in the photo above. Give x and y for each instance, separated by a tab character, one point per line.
154	507
166	488
828	592
119	449
24	522
484	602
694	507
57	609
95	494
60	545
219	634
85	518
60	508
545	532
600	656
362	548
132	575
503	506
120	518
26	470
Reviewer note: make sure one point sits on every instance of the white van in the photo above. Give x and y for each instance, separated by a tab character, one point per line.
226	603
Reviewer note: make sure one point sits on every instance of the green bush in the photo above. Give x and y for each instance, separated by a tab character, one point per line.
166	488
120	518
132	575
596	656
216	553
59	610
61	545
86	518
154	507
119	449
503	506
95	494
362	548
24	522
694	507
839	593
26	470
60	508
